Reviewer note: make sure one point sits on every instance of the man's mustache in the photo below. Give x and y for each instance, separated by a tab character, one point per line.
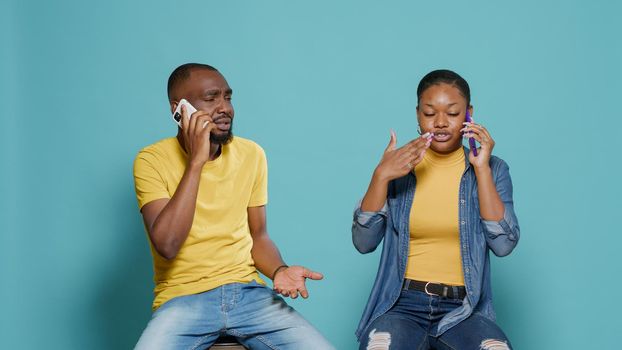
221	117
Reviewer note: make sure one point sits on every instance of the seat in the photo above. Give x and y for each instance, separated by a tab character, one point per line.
226	342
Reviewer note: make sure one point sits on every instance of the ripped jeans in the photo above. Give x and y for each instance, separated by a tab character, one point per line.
411	321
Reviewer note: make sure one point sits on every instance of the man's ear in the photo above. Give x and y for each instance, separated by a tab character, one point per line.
174	106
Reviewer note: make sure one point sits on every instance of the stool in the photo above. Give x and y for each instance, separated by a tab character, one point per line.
226	342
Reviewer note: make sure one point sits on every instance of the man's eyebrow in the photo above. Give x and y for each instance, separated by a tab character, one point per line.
211	92
215	92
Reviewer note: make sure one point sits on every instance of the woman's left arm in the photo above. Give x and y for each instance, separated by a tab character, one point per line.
494	189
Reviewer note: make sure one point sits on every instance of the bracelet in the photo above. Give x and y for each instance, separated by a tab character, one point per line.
277	270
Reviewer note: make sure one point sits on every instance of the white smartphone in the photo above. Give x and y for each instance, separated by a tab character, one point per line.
177	114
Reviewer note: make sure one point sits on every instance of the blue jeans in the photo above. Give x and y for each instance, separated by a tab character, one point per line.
251	312
409	323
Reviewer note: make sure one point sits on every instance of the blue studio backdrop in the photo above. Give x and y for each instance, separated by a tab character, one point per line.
319	85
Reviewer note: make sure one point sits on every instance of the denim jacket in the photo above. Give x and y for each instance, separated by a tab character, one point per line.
477	237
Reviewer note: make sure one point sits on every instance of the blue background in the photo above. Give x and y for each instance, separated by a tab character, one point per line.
319	85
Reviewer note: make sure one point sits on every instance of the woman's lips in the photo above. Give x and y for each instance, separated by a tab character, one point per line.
441	137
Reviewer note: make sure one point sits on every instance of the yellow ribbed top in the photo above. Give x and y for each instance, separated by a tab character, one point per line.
434	253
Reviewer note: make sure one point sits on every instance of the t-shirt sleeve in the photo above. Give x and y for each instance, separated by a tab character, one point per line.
148	182
259	196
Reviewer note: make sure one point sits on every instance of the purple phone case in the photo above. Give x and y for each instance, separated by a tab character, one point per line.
471	140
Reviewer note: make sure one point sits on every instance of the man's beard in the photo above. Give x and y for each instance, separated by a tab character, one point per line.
222	139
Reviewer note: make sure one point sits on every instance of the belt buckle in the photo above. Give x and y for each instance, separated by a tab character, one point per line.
425	289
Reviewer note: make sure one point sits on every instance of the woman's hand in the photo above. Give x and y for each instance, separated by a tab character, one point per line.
398	162
481	135
490	205
395	163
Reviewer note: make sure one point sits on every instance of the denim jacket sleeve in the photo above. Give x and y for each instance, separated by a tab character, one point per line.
368	228
502	236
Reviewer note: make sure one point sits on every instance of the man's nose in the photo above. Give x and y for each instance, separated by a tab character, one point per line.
224	106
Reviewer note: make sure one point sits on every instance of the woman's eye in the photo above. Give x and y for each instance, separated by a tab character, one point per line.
453	114
428	114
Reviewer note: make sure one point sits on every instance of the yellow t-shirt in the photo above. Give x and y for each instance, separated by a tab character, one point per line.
218	248
434	254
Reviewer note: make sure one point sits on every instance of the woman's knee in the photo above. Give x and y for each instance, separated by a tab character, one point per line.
476	332
390	332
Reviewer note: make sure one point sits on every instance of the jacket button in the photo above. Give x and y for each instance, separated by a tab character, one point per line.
462	201
462	222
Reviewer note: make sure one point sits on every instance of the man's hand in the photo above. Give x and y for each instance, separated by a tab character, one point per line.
291	280
197	130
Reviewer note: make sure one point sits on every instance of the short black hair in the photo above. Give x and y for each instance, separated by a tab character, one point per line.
181	73
447	77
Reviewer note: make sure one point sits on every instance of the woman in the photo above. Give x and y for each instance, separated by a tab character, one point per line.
440	208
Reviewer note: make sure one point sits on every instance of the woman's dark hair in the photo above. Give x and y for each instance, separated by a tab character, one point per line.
444	76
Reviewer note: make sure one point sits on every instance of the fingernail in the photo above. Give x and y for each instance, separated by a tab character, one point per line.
427	134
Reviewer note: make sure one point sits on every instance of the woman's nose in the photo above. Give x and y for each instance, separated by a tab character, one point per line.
441	121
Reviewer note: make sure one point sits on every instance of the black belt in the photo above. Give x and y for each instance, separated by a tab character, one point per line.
436	289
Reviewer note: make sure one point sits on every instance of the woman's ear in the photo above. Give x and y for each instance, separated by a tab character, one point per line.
174	106
470	110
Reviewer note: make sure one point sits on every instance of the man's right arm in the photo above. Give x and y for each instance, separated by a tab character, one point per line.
168	221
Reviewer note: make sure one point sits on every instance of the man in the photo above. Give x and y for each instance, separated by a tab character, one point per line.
202	196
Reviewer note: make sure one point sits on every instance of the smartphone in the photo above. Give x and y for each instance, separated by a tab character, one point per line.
471	140
177	114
